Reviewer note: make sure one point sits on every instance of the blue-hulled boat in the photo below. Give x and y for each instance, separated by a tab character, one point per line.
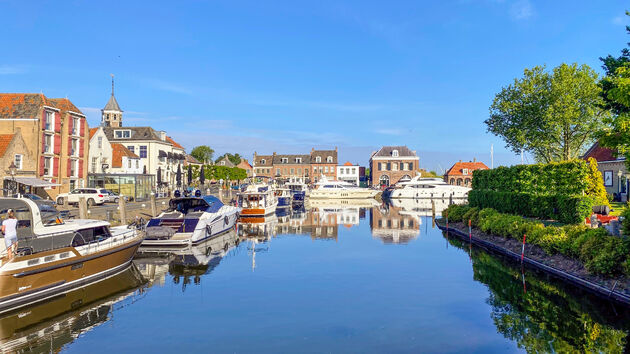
298	190
284	196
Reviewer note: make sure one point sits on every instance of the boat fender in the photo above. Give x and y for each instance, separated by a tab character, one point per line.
208	250
226	220
209	230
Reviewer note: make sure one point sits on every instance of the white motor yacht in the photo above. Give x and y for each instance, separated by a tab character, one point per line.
418	188
257	200
326	189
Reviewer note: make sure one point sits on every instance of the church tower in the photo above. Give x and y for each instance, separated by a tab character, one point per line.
111	115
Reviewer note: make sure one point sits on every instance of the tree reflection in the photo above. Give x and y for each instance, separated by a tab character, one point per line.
549	316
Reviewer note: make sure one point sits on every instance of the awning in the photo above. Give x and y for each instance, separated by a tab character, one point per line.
33	182
162	153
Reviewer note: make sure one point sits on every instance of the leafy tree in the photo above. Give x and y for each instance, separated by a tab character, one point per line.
616	134
237	174
203	153
611	65
234	158
552	115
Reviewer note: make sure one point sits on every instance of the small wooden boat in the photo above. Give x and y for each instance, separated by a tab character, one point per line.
55	256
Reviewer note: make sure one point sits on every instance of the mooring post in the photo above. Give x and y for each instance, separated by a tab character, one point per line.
447	220
82	208
122	207
523	248
153	206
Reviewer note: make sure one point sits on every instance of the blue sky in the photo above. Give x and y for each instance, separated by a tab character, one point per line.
245	76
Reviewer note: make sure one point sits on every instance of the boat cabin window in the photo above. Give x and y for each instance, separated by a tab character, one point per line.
22	214
188	205
86	236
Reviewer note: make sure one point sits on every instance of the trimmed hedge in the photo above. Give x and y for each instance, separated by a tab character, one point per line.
599	252
566	209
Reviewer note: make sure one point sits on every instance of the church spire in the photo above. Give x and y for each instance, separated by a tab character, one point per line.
111	114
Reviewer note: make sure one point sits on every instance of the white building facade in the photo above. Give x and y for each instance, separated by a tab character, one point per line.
349	173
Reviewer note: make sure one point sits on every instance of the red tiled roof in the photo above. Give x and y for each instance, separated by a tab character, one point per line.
64	104
118	151
600	153
21	105
458	167
170	140
244	164
92	132
5	140
348	163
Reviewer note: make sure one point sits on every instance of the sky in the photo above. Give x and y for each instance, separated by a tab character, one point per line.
285	76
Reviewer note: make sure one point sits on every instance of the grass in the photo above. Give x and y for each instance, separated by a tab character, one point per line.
618	208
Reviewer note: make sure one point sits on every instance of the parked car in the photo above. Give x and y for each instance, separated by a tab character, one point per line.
39	199
113	197
93	196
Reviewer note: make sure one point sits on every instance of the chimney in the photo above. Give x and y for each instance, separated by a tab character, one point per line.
312	150
474	159
163	135
460	161
336	149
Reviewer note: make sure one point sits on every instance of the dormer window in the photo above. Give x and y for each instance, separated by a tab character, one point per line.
123	134
394	153
262	161
465	171
49	124
318	159
285	160
298	160
329	159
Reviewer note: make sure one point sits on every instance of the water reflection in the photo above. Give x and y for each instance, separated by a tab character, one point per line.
51	325
333	283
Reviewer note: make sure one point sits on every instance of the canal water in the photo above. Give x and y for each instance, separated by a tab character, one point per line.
335	278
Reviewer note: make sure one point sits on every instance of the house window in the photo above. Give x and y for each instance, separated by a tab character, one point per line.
389	166
48	166
75	126
262	162
354	170
137	164
100	142
292	171
411	166
143	151
306	171
132	148
285	171
341	171
299	170
394	153
74	148
465	171
129	163
277	172
329	159
395	166
73	167
49	124
18	161
326	169
298	160
380	168
48	143
94	162
318	159
285	160
123	134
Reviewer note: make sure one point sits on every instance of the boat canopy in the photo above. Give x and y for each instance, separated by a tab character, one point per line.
208	204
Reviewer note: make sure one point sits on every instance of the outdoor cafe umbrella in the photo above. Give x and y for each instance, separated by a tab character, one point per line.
178	176
189	175
202	176
159	176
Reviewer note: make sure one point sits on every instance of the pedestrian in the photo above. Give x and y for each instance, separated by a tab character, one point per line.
9	229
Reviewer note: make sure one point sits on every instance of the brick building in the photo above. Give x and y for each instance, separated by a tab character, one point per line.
461	173
391	226
244	164
308	167
391	163
55	132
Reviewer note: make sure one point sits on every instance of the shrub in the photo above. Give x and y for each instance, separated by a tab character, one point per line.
456	212
625	224
473	215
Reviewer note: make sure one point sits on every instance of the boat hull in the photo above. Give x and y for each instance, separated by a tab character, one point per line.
360	194
248	212
26	286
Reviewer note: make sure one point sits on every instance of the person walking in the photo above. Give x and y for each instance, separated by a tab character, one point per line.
9	229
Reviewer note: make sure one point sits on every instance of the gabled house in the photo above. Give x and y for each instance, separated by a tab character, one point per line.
224	161
391	163
124	161
244	164
13	149
461	173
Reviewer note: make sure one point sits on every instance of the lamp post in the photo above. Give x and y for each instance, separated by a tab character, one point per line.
12	171
619	174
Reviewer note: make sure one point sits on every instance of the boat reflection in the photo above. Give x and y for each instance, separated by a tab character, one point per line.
184	264
51	325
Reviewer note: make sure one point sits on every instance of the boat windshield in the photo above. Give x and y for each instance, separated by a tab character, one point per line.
208	204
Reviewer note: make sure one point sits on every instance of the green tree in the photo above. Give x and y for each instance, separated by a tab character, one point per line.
234	158
203	153
616	135
552	115
237	174
611	65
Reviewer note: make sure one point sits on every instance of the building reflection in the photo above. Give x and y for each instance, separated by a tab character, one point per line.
185	265
49	326
394	225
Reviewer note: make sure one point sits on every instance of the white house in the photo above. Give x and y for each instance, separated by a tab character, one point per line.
350	173
124	161
100	152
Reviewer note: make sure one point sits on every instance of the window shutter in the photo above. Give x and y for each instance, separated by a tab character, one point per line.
82	125
80	168
70	122
57	122
69	172
56	167
81	141
43	142
69	146
41	166
57	144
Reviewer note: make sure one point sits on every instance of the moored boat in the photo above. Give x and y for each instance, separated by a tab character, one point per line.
55	256
284	196
326	189
257	200
190	220
418	188
299	191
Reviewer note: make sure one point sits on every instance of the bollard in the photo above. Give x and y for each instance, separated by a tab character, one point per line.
523	248
82	208
153	206
123	210
109	214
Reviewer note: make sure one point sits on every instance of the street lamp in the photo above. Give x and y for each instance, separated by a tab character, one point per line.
619	174
12	171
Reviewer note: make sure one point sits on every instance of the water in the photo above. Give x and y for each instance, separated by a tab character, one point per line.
338	278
